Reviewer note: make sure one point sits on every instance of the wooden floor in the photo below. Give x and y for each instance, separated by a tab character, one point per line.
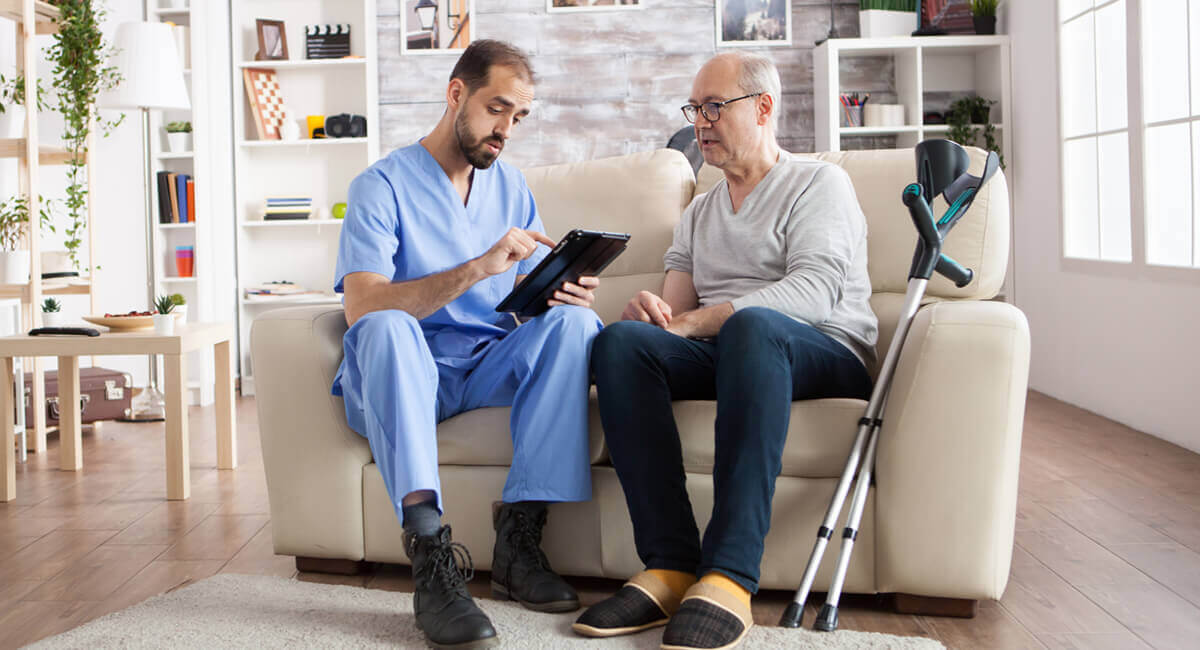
1107	556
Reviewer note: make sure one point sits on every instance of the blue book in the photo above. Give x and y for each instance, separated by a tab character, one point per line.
181	191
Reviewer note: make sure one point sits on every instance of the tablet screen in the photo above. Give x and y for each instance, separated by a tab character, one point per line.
579	253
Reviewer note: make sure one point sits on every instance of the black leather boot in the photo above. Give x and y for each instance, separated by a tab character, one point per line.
520	570
444	608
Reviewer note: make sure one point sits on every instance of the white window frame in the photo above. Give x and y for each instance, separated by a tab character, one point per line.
1138	267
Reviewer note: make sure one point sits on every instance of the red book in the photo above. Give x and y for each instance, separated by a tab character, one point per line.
191	200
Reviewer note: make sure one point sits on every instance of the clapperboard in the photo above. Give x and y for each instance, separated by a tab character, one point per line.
326	41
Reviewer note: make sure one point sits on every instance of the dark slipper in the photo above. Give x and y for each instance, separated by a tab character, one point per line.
644	602
710	618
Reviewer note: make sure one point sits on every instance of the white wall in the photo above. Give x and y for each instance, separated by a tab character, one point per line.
1113	340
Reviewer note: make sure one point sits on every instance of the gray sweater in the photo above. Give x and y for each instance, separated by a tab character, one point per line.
798	245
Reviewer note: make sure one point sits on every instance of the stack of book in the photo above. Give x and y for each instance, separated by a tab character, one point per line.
277	288
176	198
287	208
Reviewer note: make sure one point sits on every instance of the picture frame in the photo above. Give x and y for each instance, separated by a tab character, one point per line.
272	40
450	26
940	17
571	6
753	23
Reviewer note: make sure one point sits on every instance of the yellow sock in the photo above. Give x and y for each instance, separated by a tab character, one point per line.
677	581
722	581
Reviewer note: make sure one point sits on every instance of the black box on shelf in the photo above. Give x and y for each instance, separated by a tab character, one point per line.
326	41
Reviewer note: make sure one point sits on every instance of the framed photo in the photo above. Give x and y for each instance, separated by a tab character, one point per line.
950	16
556	6
436	26
754	23
272	40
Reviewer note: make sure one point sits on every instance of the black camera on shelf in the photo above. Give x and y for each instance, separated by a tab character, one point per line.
345	125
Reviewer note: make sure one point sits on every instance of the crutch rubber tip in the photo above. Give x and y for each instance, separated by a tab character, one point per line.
827	620
791	615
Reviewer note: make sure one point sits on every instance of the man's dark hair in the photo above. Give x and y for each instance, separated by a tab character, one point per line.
480	56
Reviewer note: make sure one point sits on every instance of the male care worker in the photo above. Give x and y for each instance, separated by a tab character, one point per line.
437	233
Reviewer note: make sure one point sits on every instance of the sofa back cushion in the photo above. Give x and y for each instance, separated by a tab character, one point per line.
642	194
979	241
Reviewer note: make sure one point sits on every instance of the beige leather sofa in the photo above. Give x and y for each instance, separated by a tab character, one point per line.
939	521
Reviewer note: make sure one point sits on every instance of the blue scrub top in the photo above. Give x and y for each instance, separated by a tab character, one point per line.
404	220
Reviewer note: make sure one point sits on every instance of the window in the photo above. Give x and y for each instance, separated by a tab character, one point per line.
1094	130
1107	47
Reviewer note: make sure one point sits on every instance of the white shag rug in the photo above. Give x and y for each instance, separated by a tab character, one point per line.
239	611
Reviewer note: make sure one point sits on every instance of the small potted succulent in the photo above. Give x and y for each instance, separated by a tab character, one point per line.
164	320
179	136
983	12
180	303
52	315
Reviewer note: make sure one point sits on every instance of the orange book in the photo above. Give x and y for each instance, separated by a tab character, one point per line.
174	197
191	200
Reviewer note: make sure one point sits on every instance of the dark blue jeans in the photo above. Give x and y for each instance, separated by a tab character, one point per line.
760	362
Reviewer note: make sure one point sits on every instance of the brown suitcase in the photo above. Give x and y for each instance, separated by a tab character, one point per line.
105	395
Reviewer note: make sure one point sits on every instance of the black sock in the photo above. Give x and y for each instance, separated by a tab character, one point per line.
422	518
529	507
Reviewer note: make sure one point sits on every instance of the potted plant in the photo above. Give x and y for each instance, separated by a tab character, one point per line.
180	306
964	117
179	136
12	105
880	18
984	14
164	321
80	57
52	315
14	214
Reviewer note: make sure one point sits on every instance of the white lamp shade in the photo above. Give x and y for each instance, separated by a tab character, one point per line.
148	62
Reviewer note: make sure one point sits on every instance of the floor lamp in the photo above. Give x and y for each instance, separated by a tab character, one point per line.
151	78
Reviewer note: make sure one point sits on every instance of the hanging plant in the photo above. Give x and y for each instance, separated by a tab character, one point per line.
81	71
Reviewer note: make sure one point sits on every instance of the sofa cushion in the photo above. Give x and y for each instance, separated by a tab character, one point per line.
820	435
979	242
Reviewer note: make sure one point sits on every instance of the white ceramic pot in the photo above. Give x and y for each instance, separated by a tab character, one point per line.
179	142
164	324
12	121
878	23
52	319
14	267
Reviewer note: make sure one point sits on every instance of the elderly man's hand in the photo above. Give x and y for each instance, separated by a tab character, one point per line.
581	294
648	308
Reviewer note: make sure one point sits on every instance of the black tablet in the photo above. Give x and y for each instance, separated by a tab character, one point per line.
581	252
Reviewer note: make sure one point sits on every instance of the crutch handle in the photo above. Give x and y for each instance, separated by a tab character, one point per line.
922	215
958	274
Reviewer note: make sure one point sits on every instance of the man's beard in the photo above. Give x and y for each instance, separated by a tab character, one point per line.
475	150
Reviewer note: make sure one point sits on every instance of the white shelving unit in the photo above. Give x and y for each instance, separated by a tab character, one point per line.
923	66
299	251
206	74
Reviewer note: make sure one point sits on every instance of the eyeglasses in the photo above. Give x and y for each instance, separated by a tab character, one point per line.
710	110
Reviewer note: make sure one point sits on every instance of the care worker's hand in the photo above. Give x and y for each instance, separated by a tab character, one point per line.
514	246
648	308
580	294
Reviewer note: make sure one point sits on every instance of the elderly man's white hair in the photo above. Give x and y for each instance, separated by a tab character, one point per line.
759	75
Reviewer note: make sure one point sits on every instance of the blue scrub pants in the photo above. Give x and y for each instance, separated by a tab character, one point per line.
395	394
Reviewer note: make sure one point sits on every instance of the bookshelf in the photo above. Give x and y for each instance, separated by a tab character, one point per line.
300	251
209	290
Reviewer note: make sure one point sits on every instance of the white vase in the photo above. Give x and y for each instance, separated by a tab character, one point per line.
164	324
879	23
180	312
14	267
179	142
52	319
12	121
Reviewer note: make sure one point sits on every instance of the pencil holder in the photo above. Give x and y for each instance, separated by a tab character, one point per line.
852	115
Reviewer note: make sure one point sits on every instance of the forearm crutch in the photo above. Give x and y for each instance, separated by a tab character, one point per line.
941	169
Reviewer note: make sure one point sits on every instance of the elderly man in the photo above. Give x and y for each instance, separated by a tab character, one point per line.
764	302
435	235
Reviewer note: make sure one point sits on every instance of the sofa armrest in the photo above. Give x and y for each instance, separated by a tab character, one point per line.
313	460
946	471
